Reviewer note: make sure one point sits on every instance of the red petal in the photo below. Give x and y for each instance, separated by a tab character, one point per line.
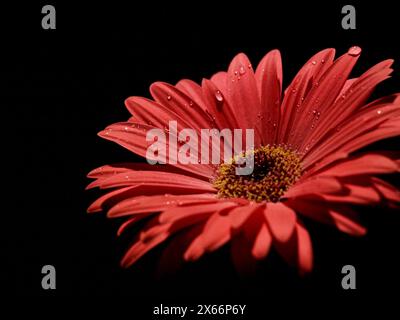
315	185
304	249
216	233
269	82
191	210
262	243
386	190
321	97
174	99
220	80
281	221
344	218
242	88
133	137
153	178
349	102
218	107
370	163
149	204
153	235
241	214
193	91
128	223
297	91
369	125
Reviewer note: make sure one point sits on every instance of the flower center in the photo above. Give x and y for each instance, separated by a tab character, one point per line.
276	168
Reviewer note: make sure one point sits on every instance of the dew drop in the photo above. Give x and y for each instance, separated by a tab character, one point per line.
218	96
191	103
323	61
169	98
379	112
242	70
354	51
314	62
249	65
236	73
316	113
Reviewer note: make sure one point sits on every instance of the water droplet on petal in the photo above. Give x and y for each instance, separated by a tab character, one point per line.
249	66
191	103
314	62
354	51
379	112
219	96
242	70
236	73
323	61
169	98
316	113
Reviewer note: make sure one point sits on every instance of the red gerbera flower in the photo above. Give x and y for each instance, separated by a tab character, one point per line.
307	160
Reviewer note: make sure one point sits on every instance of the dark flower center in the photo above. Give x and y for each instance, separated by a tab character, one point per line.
276	168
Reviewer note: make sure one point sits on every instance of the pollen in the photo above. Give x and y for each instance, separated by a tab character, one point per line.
276	168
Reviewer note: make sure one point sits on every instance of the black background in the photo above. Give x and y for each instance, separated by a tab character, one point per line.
60	87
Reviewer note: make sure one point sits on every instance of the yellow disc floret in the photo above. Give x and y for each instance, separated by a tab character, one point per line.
276	168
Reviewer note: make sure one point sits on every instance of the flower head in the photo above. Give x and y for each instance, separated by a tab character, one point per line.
307	162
